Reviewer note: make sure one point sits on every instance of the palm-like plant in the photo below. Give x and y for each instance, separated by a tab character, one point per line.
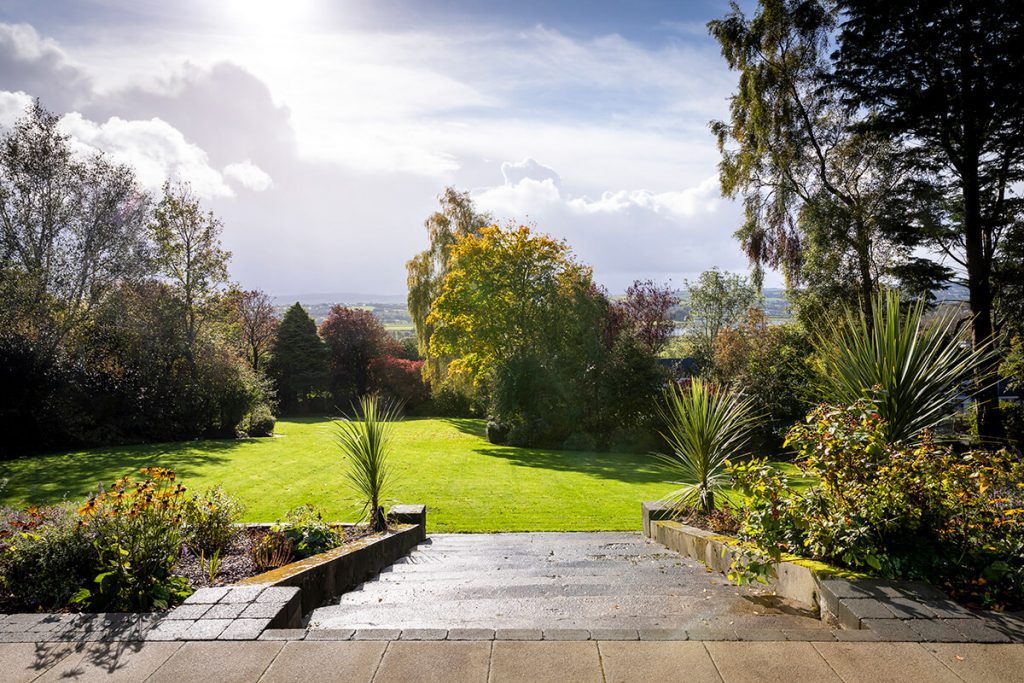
365	442
707	424
911	372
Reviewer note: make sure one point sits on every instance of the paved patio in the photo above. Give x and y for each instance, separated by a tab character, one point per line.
496	661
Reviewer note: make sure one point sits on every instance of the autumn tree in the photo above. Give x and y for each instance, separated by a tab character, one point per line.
427	270
945	76
188	253
354	337
645	314
516	315
256	321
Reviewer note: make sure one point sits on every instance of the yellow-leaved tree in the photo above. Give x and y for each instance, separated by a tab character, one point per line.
518	317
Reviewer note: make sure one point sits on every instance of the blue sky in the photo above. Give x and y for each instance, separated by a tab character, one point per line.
322	132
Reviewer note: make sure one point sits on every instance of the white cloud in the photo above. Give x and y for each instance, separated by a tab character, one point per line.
249	175
700	199
513	172
531	187
155	149
352	133
625	234
12	107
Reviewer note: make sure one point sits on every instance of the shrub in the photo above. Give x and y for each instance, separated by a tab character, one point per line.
911	373
399	380
706	425
366	446
918	511
136	529
272	550
261	421
580	441
497	433
43	557
210	521
309	534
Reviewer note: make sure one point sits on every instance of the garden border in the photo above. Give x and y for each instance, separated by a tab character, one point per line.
277	599
893	610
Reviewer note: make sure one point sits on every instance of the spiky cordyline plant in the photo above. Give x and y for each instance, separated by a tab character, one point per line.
707	424
911	372
365	441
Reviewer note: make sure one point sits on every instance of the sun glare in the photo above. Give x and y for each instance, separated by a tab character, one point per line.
262	16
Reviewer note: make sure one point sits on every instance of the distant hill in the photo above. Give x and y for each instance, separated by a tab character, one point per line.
346	298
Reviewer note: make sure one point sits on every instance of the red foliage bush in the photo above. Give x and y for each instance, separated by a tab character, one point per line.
399	379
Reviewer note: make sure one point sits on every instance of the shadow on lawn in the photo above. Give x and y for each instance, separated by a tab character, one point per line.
468	425
50	478
627	467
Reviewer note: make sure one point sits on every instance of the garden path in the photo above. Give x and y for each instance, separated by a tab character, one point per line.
580	580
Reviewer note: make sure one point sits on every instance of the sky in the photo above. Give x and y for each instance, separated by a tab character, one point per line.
322	132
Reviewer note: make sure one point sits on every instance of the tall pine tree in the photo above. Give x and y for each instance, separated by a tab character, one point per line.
299	363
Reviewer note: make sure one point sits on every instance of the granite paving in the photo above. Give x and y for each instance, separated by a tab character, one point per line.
555	581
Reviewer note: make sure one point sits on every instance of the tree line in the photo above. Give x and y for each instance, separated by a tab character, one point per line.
119	323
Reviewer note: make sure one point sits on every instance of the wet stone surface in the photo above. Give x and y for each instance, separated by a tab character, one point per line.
551	581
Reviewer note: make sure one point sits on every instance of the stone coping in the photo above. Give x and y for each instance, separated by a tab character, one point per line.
328	575
894	610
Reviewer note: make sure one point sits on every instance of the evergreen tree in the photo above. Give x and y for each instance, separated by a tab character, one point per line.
945	75
299	362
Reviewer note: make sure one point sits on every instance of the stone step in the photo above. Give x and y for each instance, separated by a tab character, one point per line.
551	612
553	580
375	592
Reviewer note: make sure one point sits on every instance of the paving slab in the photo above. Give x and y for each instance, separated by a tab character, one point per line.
656	662
518	634
376	634
27	661
284	634
979	631
471	634
614	634
981	663
424	634
207	596
739	662
884	663
221	661
331	634
121	661
545	662
443	662
663	634
244	629
566	634
344	662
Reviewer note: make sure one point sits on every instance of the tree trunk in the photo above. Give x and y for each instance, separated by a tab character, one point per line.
867	283
980	285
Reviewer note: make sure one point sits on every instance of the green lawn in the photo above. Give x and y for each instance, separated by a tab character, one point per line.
467	483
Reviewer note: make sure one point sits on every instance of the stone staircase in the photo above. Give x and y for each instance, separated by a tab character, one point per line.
601	580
